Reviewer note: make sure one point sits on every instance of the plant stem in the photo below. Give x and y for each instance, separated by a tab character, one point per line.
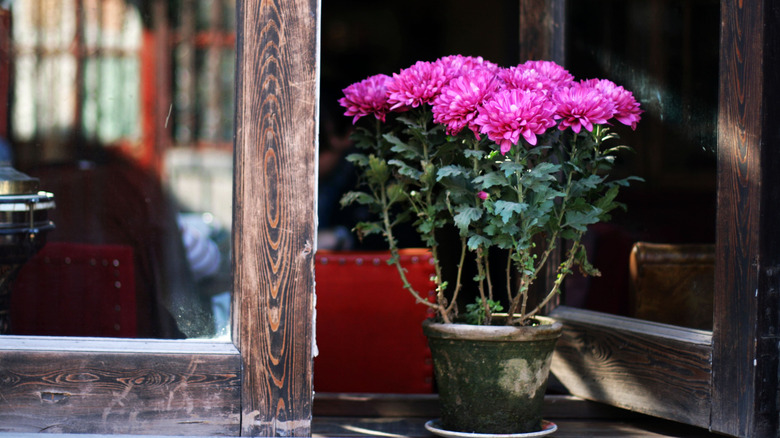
522	294
458	283
481	272
440	298
562	271
396	259
525	283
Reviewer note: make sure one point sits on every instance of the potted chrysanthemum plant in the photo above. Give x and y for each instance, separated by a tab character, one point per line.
514	158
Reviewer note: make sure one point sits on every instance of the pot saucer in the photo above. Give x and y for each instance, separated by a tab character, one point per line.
433	426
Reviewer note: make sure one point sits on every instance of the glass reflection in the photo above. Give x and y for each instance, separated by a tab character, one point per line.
124	111
666	52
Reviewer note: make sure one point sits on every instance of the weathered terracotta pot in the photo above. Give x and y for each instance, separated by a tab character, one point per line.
492	379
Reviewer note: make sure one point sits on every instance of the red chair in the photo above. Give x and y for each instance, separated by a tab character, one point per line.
368	331
71	289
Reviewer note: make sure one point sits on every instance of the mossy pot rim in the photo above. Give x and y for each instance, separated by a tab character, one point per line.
547	329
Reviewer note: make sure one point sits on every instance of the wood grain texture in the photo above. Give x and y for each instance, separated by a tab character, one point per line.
542	24
117	390
541	33
747	281
275	211
647	367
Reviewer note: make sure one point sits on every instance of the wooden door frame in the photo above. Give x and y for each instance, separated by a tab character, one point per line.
260	383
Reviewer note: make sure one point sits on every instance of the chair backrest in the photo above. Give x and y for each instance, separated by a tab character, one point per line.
369	332
73	289
673	284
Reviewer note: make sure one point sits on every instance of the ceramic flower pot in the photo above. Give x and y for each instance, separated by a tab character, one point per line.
492	379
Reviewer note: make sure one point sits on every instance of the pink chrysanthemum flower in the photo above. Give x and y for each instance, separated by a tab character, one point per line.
456	107
367	97
522	78
552	71
483	195
543	76
627	109
508	114
582	106
416	85
456	65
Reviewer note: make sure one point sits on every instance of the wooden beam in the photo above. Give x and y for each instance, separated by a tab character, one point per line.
647	367
542	24
133	386
275	211
747	279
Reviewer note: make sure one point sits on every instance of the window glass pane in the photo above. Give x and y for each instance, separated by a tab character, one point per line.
666	52
98	98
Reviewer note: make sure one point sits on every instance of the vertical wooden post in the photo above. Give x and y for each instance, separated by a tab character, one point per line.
542	24
275	211
747	281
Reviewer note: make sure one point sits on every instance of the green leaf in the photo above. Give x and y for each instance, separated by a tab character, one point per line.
506	209
579	220
455	194
542	173
511	168
405	150
585	184
618	148
569	234
451	171
625	182
491	180
586	268
395	193
358	159
465	216
406	170
607	202
378	172
428	177
367	228
357	197
425	227
409	121
471	153
476	241
364	139
475	313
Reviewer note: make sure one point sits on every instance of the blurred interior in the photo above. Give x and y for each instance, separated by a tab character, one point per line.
123	109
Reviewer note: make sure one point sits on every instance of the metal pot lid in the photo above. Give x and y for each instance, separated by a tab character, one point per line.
13	182
39	201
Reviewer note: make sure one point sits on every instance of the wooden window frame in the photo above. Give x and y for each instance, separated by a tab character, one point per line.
260	383
725	380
